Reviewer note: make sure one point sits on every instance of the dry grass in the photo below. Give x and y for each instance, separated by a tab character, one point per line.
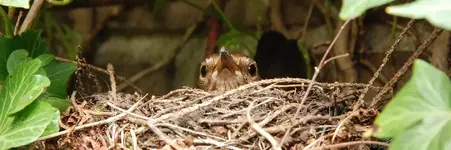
253	116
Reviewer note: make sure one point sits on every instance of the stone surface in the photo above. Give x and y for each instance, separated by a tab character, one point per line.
138	41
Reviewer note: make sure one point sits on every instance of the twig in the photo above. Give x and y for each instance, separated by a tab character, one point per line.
284	127
141	74
306	21
315	75
111	119
342	123
157	131
384	61
260	130
409	62
336	57
345	144
31	15
244	87
370	67
113	91
308	147
134	139
189	130
7	25
99	70
19	18
211	141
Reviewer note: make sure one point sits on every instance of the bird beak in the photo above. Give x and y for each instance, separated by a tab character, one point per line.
227	61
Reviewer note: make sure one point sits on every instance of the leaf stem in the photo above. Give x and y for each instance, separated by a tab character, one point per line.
59	2
216	6
8	28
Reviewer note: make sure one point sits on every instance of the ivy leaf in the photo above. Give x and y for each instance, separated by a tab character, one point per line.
29	40
16	3
59	103
237	41
32	42
23	87
16	60
354	8
53	126
45	59
59	74
230	39
418	116
26	126
434	11
4	54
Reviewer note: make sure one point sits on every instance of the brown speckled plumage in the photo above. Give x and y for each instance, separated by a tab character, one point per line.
225	71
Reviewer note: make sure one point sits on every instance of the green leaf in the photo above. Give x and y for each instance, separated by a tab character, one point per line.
23	87
16	3
434	11
41	71
45	59
354	8
29	40
238	41
5	46
230	39
32	42
16	60
59	103
53	126
59	74
157	6
418	117
26	126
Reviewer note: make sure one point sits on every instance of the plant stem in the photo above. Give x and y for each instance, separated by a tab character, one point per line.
59	2
31	15
222	15
11	11
8	29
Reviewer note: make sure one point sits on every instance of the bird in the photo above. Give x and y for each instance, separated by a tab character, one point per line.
224	71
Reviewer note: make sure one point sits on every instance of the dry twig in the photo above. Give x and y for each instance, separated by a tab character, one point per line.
385	60
409	62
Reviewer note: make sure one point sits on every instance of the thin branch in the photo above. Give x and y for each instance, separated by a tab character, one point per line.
306	22
19	18
336	57
260	130
315	75
157	131
31	15
385	60
113	91
8	30
247	86
345	144
409	62
109	120
100	70
342	123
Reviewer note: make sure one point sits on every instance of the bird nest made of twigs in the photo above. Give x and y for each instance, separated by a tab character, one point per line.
259	115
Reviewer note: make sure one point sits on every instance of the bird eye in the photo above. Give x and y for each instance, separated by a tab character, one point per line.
252	69
203	70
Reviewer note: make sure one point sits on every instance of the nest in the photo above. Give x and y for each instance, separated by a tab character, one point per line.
259	115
